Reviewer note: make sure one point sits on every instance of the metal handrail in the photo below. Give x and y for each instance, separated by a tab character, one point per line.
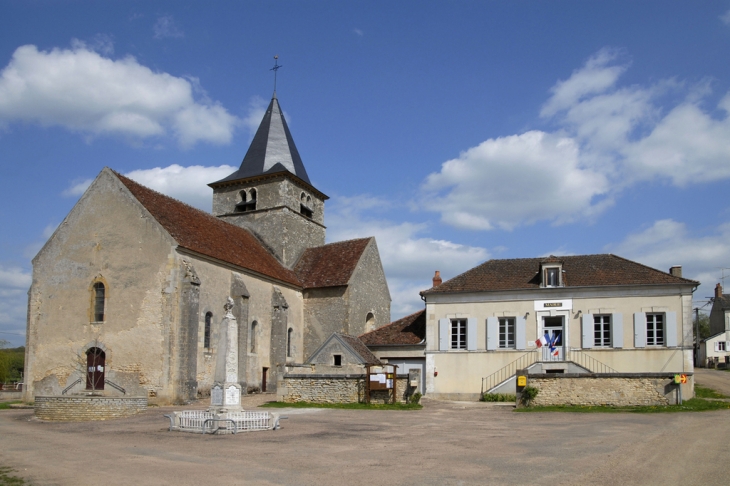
509	370
71	386
114	385
589	362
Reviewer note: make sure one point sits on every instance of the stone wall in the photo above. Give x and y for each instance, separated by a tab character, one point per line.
334	389
81	408
614	389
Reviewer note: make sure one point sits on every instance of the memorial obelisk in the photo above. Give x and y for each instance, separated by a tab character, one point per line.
225	396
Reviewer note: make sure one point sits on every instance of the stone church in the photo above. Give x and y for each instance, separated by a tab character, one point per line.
128	293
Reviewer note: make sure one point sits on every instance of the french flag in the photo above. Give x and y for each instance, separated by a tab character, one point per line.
543	341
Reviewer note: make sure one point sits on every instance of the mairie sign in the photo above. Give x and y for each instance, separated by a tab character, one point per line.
564	304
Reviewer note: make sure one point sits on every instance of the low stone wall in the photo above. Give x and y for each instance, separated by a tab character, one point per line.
334	389
79	408
613	389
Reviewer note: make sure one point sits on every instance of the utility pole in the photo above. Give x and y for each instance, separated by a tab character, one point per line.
697	336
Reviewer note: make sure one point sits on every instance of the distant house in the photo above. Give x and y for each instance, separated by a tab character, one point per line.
717	346
402	343
715	350
589	313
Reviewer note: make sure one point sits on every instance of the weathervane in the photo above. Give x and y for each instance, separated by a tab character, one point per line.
275	68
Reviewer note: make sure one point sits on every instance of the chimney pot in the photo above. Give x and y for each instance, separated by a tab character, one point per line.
676	271
718	291
437	279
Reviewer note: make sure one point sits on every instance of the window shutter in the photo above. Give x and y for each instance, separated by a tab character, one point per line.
492	333
617	330
671	329
717	346
727	345
639	330
444	325
520	325
587	328
471	334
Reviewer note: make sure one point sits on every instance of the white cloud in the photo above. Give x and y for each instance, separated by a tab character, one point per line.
725	18
83	91
606	138
358	32
14	278
187	184
667	243
518	179
256	111
409	259
77	188
167	27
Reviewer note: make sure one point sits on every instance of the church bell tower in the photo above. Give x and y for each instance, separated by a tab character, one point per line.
270	194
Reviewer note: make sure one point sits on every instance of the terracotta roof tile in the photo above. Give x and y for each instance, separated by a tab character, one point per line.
207	235
407	330
580	271
330	265
360	348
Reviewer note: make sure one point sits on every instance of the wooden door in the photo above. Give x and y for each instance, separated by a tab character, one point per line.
263	380
95	363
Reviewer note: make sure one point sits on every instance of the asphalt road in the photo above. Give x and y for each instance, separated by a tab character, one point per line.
445	443
718	380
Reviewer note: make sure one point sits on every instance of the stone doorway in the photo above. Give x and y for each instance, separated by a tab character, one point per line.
95	363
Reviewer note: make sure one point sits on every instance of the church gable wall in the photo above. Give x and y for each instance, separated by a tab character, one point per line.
325	312
368	294
108	237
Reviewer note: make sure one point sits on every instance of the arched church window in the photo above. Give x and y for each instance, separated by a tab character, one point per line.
369	322
206	332
247	201
99	298
305	205
288	342
254	330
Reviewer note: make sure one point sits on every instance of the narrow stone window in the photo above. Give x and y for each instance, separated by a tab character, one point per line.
337	359
254	329
206	334
369	322
305	205
288	342
99	301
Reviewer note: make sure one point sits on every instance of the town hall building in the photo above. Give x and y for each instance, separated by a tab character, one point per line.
128	293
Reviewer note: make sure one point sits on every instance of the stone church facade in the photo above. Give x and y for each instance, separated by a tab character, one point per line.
128	292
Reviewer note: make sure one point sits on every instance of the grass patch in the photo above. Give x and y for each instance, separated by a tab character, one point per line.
702	392
6	478
6	405
347	406
693	405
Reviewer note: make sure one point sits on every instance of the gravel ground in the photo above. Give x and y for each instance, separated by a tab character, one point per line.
718	380
445	443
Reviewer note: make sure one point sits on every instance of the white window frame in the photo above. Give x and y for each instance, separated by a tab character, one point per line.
652	326
605	323
458	333
507	328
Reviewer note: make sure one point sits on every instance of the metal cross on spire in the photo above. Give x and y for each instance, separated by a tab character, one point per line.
275	69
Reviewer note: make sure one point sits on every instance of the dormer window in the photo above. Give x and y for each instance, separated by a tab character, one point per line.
305	205
247	201
552	275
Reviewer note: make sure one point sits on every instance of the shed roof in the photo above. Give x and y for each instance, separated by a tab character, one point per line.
202	233
406	330
579	271
330	265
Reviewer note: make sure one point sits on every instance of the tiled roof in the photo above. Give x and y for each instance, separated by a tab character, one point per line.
330	265
407	330
580	271
360	348
207	235
723	302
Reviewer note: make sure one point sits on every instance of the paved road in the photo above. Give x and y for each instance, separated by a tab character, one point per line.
718	380
445	443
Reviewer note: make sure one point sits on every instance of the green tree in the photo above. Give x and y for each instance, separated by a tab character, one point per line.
704	326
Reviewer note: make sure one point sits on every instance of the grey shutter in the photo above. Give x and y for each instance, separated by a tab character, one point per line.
639	330
444	325
471	334
670	329
520	324
717	346
617	330
587	330
492	333
727	345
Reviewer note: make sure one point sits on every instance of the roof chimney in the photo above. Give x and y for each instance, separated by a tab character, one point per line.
437	279
718	291
676	270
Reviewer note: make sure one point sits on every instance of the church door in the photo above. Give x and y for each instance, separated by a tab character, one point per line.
263	380
95	359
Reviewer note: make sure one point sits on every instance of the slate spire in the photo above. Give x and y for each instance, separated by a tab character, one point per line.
272	149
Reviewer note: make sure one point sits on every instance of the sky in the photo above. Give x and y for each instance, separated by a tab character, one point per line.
453	132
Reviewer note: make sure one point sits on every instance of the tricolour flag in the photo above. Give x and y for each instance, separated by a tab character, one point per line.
543	341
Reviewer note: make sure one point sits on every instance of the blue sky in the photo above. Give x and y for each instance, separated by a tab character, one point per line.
454	132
